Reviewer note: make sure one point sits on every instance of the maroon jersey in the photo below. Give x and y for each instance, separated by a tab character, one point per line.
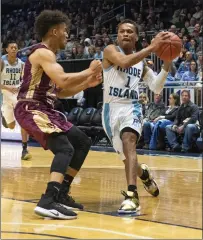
36	84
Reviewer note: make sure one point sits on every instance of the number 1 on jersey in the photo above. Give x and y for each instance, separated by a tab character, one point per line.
128	83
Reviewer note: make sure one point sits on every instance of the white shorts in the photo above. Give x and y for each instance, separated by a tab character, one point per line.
9	103
116	117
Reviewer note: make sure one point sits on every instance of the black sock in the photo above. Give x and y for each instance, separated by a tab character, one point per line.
65	186
132	188
52	188
24	145
145	175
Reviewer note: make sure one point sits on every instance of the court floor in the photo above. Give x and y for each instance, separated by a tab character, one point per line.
175	214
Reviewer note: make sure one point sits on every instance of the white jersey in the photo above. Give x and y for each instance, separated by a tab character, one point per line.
121	85
10	75
121	108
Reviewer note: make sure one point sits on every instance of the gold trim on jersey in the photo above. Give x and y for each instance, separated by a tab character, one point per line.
36	74
44	123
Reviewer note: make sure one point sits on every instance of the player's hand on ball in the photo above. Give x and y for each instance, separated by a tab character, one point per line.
96	67
162	37
94	80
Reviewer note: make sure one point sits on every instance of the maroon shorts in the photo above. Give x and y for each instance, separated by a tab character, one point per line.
40	121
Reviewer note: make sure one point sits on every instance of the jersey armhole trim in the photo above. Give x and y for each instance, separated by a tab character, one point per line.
108	69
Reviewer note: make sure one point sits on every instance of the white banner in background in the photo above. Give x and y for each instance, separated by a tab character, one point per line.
11	134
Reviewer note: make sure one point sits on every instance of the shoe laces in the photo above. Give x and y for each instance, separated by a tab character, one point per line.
125	194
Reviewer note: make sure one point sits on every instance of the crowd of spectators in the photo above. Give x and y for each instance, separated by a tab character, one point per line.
90	33
175	128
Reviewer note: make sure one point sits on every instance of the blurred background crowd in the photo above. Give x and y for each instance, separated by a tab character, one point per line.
94	26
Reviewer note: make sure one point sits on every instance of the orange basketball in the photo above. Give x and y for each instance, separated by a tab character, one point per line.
169	51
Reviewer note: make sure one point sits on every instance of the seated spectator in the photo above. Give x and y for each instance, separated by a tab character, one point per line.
143	99
197	14
184	31
185	123
192	25
158	132
99	43
175	17
99	53
173	29
192	74
199	62
80	53
70	44
153	110
107	41
91	52
196	36
74	52
193	46
184	66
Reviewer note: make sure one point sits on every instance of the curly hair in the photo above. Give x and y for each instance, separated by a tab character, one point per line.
48	19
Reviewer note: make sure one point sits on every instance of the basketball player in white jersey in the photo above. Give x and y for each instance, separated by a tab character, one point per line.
11	69
122	114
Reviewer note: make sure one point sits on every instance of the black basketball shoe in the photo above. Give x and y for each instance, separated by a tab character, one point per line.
49	207
67	201
26	155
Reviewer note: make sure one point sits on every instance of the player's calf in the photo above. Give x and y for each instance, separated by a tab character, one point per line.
81	144
11	125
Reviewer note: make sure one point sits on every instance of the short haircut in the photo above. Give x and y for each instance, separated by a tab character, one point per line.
130	22
48	19
11	42
185	91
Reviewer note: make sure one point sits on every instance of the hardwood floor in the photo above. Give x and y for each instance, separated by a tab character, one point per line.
176	213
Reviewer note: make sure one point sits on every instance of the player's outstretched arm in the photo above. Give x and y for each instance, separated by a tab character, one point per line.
156	82
91	81
47	60
114	57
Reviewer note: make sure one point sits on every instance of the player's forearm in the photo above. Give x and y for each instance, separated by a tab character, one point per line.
155	83
132	59
73	90
73	79
166	66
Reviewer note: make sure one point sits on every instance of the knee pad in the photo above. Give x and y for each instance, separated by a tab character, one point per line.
63	151
79	139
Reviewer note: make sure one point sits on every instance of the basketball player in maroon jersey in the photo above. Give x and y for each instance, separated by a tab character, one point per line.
43	81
